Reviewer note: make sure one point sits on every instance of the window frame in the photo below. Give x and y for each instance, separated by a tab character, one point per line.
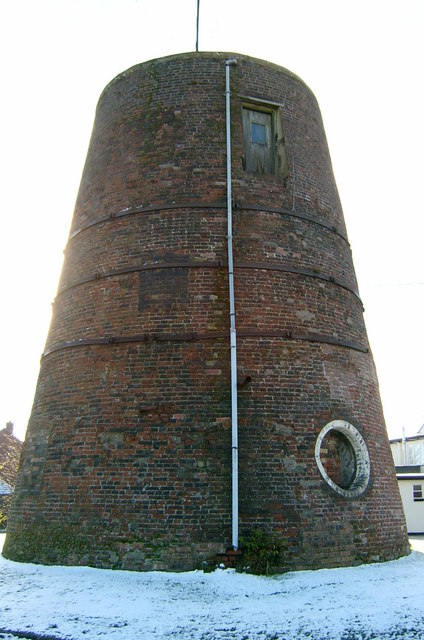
279	163
417	493
261	152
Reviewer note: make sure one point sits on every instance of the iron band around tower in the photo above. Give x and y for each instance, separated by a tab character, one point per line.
150	209
200	337
210	265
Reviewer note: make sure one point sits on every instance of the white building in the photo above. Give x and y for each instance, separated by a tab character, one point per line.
408	455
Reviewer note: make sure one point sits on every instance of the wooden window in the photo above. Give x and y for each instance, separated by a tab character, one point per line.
258	147
417	492
264	149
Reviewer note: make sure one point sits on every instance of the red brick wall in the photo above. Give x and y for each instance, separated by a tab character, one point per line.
127	462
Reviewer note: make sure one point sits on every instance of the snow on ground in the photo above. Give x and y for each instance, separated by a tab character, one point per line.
379	601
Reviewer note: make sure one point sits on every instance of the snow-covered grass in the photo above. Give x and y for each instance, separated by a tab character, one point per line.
371	601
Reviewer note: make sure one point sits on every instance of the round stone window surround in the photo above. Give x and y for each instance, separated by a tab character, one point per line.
362	472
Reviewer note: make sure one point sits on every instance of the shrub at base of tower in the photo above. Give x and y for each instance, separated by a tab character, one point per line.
260	554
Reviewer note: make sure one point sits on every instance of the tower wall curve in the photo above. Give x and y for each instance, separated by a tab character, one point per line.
127	459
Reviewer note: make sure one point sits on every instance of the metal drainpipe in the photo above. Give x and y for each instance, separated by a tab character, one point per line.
233	341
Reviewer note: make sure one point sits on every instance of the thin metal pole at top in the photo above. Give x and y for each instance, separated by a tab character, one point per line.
197	26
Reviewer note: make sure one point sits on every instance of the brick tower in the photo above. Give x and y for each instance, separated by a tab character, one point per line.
127	461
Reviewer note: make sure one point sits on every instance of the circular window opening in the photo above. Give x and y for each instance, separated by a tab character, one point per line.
342	458
338	458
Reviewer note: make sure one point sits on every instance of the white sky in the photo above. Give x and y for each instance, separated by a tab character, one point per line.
362	58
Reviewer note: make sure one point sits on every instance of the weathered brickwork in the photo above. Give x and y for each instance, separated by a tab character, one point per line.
127	461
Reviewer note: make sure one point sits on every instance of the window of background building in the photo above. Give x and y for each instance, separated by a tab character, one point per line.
417	492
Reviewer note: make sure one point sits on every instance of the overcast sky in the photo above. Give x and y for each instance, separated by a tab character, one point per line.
363	60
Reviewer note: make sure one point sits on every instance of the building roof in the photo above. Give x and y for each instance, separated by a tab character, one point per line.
419	436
